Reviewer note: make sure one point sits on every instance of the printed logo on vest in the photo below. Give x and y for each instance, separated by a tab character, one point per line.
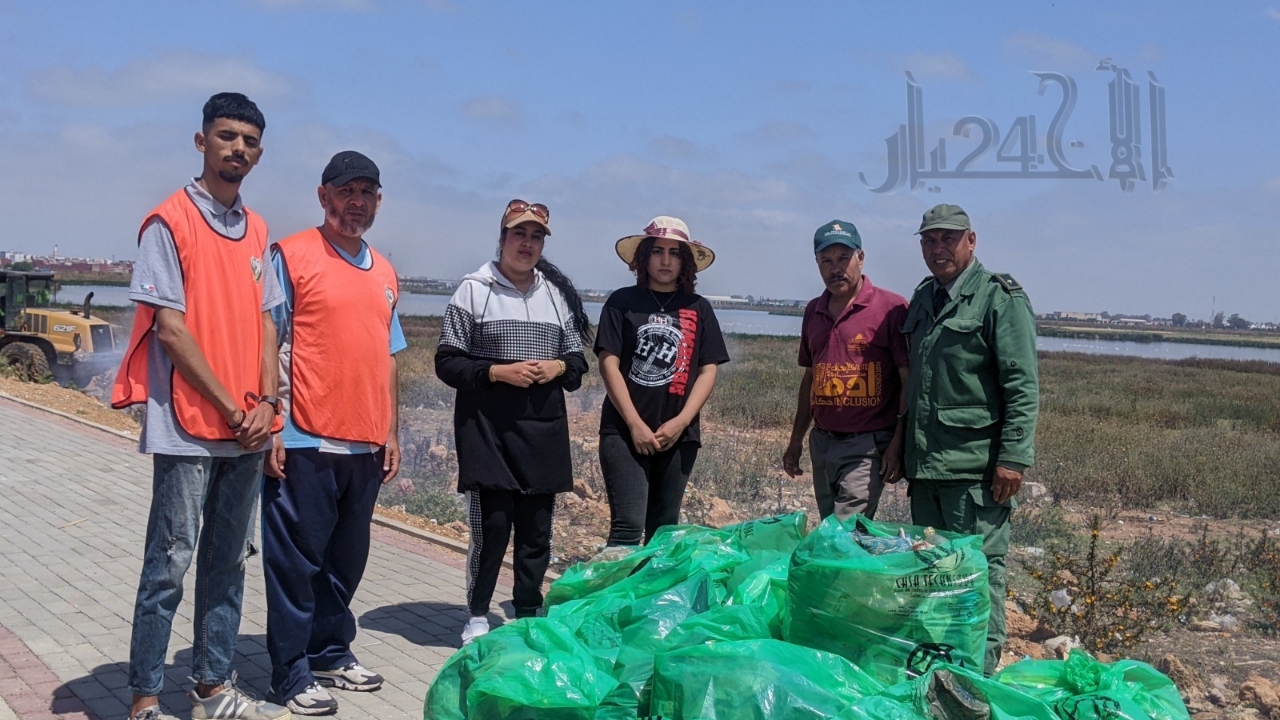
255	264
391	297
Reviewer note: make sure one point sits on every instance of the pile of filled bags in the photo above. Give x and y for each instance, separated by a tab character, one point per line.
857	620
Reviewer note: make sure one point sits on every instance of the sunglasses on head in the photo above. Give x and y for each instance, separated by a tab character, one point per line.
515	207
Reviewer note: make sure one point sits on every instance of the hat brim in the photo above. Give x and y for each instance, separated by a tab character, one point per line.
703	256
943	226
348	177
527	216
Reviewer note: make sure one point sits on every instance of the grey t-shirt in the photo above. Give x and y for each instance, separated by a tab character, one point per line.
157	281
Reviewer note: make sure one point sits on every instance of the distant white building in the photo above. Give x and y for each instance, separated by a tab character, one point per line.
1068	315
726	299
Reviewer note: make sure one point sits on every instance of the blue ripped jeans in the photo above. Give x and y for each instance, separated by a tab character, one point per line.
221	493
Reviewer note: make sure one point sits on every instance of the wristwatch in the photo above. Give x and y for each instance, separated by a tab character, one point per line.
271	400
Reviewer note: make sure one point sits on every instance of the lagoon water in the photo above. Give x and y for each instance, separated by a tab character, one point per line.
755	322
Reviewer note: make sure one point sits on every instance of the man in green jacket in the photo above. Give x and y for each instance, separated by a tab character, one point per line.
972	398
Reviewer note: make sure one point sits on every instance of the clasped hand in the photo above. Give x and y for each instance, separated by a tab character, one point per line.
526	373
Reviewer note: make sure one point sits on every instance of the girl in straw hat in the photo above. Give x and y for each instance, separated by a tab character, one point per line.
659	345
512	345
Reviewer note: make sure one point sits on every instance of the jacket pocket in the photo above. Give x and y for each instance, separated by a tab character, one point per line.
962	325
968	416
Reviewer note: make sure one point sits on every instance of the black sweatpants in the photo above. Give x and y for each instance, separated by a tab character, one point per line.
645	491
315	545
493	514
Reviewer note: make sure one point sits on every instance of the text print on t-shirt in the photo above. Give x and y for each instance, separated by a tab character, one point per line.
847	384
664	346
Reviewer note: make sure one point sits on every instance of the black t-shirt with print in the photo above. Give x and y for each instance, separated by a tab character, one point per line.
661	339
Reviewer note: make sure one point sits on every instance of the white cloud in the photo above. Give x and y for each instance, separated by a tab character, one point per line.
943	66
494	109
1055	53
1273	13
178	76
780	131
670	147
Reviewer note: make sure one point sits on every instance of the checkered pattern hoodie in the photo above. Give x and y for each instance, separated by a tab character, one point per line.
509	438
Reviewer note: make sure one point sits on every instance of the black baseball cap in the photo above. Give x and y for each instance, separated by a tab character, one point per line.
347	166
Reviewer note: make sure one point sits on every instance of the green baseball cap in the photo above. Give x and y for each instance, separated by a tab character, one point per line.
945	217
836	232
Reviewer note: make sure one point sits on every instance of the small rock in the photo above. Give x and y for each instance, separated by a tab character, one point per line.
459	527
1061	646
1262	694
583	490
1243	713
1217	697
1017	623
1034	490
570	499
439	452
1203	626
1188	682
719	513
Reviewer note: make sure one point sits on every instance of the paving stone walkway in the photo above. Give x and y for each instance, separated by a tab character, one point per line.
73	508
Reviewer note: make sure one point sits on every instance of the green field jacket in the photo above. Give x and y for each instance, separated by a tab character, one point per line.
973	394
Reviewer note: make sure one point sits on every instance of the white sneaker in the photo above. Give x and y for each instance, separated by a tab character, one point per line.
474	628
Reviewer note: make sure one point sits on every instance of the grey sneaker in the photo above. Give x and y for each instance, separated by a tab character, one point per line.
313	700
147	713
352	676
232	703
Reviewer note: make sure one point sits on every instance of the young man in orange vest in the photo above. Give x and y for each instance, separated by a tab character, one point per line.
202	359
339	334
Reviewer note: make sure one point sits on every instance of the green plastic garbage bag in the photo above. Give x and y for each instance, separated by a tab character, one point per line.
634	668
766	541
532	669
767	589
1081	688
586	578
754	680
707	552
948	692
894	615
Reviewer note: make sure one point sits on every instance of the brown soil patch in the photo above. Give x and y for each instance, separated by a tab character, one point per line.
71	402
453	531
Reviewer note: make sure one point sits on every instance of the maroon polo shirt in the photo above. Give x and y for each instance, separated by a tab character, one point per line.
855	360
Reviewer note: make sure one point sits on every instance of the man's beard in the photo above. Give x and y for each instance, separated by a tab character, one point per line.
349	228
231	177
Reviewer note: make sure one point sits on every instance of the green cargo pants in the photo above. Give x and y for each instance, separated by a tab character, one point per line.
967	506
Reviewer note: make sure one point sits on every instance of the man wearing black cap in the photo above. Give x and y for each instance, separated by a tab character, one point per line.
973	397
339	334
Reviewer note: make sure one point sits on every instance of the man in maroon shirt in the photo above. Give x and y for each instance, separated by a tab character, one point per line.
855	360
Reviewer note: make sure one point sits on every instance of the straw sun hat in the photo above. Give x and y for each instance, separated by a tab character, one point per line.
666	227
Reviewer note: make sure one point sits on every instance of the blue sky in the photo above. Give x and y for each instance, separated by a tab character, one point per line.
750	120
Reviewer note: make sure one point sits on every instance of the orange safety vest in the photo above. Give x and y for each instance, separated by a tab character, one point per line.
222	279
340	372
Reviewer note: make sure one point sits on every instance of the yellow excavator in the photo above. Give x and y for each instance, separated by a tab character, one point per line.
39	342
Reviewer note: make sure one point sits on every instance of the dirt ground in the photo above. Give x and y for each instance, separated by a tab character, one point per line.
72	402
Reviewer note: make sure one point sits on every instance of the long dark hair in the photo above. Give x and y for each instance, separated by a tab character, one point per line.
555	276
685	282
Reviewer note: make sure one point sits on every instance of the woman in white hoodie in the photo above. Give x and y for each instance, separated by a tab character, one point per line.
512	344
